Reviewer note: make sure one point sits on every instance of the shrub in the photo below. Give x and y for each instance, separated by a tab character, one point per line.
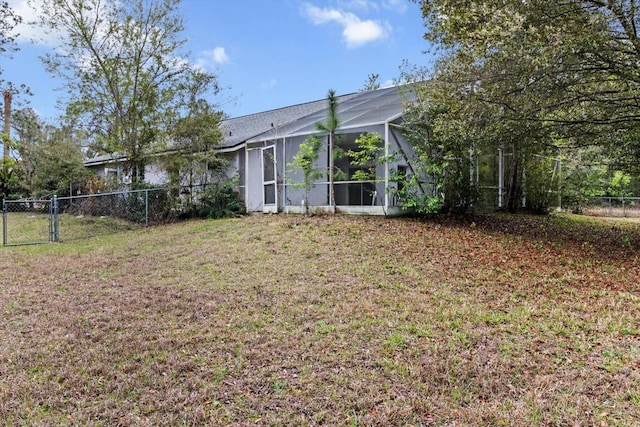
220	200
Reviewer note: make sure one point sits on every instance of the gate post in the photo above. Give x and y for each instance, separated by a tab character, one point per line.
146	207
4	222
54	209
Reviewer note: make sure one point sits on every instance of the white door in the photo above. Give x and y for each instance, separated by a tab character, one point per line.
269	182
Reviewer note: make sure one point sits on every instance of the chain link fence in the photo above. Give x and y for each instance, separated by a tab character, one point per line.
622	207
26	222
82	216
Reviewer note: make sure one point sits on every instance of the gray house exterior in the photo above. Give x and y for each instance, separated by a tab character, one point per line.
260	148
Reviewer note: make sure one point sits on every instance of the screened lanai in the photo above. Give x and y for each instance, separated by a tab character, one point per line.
273	183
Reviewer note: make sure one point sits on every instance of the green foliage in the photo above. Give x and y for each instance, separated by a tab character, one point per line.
527	76
48	158
135	205
369	147
59	166
220	200
541	184
373	83
442	159
305	161
133	82
583	176
9	181
332	121
191	158
330	125
618	187
422	203
7	175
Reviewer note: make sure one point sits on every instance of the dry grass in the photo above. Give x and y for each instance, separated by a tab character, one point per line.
287	320
28	228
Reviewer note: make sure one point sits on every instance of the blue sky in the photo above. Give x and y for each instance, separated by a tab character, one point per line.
268	53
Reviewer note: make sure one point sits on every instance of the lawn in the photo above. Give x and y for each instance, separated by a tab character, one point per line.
23	228
333	320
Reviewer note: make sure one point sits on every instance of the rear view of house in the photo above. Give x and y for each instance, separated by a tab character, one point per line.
269	182
260	149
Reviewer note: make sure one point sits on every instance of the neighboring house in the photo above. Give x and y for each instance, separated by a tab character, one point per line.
260	148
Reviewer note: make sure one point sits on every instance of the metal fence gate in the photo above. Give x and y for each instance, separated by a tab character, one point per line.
28	222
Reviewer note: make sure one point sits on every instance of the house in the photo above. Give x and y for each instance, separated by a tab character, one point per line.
260	149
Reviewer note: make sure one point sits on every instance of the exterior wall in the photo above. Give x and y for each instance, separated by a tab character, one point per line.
155	174
233	159
353	197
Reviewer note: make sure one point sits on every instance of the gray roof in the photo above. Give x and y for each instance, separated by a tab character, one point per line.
358	110
103	159
238	130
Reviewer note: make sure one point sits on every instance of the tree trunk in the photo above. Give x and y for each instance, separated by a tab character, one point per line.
513	194
7	124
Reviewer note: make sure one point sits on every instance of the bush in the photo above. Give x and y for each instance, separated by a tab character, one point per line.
220	200
540	187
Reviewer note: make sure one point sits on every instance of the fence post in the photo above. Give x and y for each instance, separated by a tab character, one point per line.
4	222
56	222
146	207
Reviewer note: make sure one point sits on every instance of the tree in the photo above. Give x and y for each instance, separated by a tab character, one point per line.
442	159
48	159
192	160
28	130
330	125
59	165
367	155
305	160
536	76
373	83
124	71
8	21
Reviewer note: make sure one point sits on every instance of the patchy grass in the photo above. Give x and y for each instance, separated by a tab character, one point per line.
74	227
290	320
27	227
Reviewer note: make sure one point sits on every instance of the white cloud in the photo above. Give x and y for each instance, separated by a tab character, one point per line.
210	59
219	55
31	33
30	29
355	31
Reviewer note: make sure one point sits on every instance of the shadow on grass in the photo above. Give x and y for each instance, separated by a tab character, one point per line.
611	237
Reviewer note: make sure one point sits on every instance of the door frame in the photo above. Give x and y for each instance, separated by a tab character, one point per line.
269	207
